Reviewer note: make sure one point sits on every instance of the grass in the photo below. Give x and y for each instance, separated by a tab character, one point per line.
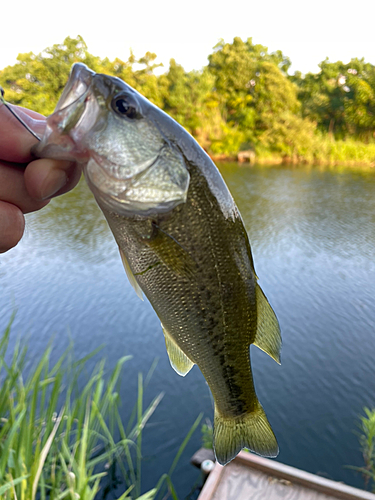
366	436
322	150
57	435
349	152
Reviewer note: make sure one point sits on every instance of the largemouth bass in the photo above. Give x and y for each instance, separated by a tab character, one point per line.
181	239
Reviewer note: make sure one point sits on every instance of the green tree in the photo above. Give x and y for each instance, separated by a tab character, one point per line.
235	67
359	103
340	98
36	81
243	99
190	98
256	97
322	96
279	126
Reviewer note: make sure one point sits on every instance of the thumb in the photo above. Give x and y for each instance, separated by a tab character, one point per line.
46	178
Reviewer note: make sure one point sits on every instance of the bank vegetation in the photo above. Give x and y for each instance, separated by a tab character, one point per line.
244	99
62	429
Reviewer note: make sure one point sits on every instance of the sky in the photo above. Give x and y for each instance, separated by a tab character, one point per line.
306	31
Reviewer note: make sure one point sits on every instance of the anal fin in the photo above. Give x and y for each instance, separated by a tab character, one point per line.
268	337
178	359
130	275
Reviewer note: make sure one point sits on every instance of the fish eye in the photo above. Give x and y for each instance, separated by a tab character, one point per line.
126	105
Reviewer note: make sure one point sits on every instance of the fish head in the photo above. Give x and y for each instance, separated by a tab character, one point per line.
118	137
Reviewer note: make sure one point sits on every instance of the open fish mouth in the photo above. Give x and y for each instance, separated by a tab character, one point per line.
77	86
70	115
128	163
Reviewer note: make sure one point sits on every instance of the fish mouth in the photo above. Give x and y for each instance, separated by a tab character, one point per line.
79	82
58	140
126	184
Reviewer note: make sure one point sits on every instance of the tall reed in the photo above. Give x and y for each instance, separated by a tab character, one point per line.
57	433
366	436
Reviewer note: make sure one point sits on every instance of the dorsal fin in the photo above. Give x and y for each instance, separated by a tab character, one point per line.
179	361
130	275
268	337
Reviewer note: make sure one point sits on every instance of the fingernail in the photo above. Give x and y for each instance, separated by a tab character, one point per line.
55	181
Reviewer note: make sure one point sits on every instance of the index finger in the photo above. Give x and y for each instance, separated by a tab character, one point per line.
15	141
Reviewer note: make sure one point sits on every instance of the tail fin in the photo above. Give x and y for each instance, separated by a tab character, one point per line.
251	430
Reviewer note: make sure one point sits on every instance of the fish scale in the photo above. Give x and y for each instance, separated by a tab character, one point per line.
235	327
181	239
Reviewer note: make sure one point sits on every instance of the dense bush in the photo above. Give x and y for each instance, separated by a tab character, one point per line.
243	99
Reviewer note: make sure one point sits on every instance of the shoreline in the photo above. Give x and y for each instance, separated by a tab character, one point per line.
279	160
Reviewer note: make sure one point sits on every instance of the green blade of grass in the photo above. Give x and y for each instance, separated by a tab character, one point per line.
6	447
14	482
44	452
184	443
150	495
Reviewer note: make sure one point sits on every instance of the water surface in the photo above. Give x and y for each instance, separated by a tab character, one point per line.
312	234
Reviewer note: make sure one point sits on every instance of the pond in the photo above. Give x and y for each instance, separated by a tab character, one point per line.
312	233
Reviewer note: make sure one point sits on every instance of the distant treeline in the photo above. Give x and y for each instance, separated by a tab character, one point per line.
243	99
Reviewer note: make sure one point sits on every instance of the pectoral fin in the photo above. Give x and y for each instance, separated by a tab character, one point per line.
179	361
268	337
171	253
130	275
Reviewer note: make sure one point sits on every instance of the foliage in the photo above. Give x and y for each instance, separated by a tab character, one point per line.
57	436
234	64
340	98
190	99
243	99
367	443
252	86
36	81
339	151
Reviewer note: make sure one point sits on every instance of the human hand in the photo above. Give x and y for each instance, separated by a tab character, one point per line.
26	185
